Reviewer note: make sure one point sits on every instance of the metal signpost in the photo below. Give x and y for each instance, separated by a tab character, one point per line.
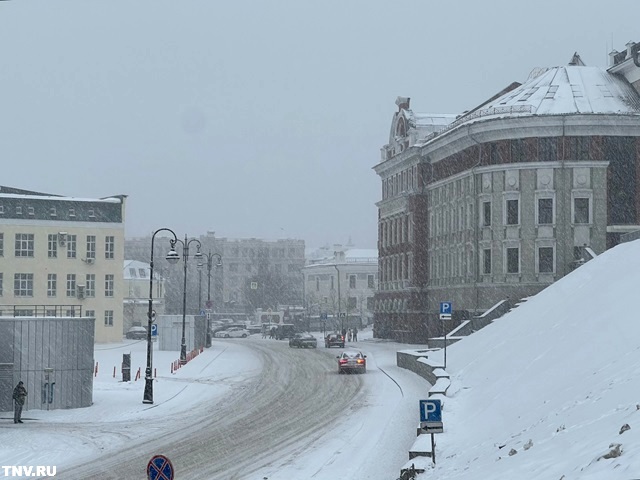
160	468
446	309
431	421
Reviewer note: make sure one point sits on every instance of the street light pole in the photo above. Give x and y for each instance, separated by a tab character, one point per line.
185	258
172	257
210	256
341	320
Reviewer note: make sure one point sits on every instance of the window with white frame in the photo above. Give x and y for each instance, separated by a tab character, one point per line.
1	244
71	246
1	284
52	284
370	281
71	284
24	245
352	281
90	313
23	284
108	285
108	318
91	246
90	285
52	245
109	247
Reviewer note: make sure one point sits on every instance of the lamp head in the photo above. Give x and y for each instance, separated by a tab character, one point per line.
172	256
198	255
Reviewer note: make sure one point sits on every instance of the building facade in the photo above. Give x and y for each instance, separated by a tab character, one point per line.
62	256
136	294
340	287
508	197
273	267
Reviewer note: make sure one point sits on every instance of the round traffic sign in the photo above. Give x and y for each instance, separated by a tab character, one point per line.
159	468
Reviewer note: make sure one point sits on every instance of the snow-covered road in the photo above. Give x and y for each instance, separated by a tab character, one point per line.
244	409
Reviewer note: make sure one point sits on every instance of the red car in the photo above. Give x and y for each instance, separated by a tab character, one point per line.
352	361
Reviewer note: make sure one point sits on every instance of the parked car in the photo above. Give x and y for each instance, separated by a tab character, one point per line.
303	340
136	333
334	340
234	332
352	361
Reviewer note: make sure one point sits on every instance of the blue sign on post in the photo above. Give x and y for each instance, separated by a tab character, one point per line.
159	468
323	316
430	410
154	329
446	308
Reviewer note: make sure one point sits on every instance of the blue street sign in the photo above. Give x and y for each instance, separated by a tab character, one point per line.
154	329
446	308
159	468
323	316
430	410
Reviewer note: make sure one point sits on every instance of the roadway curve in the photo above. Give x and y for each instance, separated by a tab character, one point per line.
292	404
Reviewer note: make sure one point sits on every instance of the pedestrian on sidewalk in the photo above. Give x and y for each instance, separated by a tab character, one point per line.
19	397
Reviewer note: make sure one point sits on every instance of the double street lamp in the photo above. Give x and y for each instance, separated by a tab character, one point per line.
209	256
172	257
185	258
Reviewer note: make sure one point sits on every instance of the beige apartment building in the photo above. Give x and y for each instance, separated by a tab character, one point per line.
63	256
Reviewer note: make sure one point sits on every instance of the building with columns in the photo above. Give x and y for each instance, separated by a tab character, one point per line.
499	202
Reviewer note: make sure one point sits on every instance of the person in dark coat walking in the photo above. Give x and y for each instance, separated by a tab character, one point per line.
19	397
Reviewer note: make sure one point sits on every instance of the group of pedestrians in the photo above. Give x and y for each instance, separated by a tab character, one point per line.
350	335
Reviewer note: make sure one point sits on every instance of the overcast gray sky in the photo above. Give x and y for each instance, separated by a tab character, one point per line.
258	118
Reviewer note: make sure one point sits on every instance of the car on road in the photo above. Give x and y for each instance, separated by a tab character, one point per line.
234	332
303	340
136	333
352	361
334	340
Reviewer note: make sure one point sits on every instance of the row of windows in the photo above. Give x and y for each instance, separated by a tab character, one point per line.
23	285
26	312
544	258
545	214
405	181
545	211
24	245
53	212
395	231
276	268
279	252
353	281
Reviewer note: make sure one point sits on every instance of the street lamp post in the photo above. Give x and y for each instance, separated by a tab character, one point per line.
210	256
185	258
172	257
341	320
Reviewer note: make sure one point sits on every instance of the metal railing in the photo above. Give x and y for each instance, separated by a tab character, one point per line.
41	310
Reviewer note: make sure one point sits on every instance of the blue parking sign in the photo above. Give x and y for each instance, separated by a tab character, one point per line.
446	308
154	329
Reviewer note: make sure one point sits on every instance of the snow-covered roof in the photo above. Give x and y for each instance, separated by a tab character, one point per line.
573	89
564	90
